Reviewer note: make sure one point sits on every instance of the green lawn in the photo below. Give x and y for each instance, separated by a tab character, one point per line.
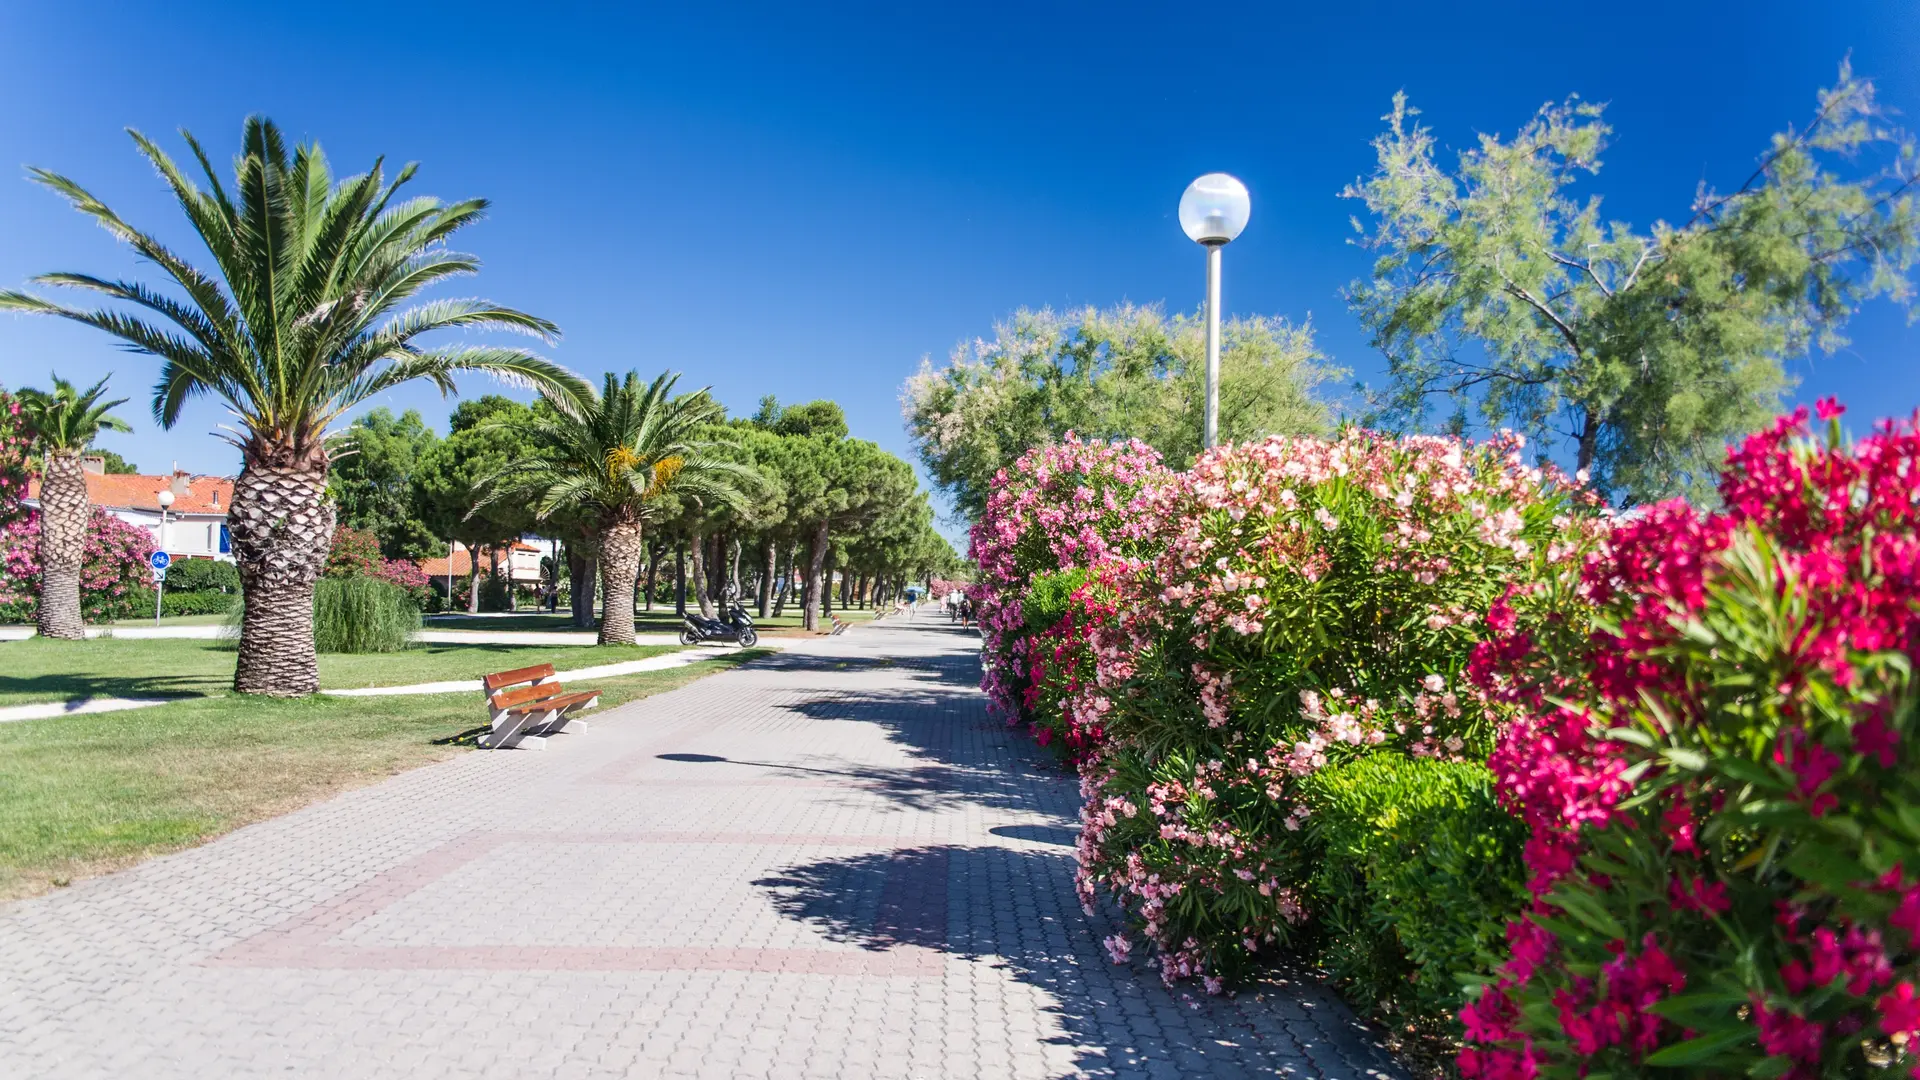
87	794
654	622
39	669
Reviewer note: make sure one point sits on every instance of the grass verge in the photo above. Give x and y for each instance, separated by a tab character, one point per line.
40	669
88	794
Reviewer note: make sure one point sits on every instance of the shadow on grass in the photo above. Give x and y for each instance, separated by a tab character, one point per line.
74	688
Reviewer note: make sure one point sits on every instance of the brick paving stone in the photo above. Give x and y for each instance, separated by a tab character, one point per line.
829	863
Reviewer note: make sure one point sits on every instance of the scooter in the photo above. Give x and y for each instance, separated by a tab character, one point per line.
737	627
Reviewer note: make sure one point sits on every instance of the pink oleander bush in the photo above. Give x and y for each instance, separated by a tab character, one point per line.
1719	774
14	447
114	579
356	553
1311	603
1060	507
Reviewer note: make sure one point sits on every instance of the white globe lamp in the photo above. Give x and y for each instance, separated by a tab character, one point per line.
1213	212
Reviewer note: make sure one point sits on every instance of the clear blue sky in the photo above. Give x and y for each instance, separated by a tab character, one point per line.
806	202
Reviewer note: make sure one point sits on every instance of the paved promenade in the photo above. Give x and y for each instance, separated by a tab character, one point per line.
828	864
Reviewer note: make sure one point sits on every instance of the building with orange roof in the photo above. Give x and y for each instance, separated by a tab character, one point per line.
195	525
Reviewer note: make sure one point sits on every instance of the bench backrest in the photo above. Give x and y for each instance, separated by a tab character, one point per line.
535	673
540	684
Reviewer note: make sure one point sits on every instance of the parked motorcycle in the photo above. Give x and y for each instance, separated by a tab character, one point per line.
738	626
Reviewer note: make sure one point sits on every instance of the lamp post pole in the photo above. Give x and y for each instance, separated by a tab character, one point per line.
1212	427
165	499
1213	211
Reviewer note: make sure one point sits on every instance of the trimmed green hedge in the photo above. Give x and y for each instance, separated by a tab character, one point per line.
1420	873
185	602
202	575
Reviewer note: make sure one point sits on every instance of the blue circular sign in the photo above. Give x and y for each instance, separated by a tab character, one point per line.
161	560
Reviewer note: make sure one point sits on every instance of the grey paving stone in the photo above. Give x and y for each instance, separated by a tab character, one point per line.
831	863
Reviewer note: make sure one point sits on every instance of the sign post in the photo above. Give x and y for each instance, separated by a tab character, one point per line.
159	560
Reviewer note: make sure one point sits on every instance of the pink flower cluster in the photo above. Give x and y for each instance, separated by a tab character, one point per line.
1060	506
113	571
14	447
1246	631
356	553
1733	734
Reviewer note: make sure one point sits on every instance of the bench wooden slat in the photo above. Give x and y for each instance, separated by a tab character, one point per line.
562	701
518	675
521	694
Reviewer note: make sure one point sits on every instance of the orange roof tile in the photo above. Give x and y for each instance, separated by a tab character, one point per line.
121	491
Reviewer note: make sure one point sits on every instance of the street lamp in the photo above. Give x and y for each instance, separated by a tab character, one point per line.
165	498
1213	211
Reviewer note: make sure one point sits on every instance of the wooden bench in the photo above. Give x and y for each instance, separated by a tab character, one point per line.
528	705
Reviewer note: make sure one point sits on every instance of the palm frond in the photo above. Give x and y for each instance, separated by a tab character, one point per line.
306	313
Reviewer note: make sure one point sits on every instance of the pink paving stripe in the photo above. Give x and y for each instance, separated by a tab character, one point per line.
899	960
308	940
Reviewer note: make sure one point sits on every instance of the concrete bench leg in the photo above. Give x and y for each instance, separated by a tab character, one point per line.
511	730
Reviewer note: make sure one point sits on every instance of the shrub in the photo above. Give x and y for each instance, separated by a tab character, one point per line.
15	444
496	592
362	615
1059	507
1722	785
1417	874
1048	598
180	602
353	553
202	575
113	575
1313	601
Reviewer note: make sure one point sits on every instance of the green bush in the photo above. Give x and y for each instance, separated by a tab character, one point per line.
185	602
1419	873
202	575
1048	597
496	593
362	615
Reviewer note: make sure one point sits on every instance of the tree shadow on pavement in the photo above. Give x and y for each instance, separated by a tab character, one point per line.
1014	908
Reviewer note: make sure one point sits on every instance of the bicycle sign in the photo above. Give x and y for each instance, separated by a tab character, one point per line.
160	560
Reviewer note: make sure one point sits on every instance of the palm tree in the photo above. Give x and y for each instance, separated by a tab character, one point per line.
303	316
607	459
64	423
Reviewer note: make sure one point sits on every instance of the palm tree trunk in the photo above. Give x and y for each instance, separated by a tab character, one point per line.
620	551
65	512
280	524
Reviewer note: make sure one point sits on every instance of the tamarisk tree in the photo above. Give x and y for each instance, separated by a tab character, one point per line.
1637	353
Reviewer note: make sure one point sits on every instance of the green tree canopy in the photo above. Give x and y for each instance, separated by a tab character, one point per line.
1114	373
486	435
375	465
1639	353
821	417
114	464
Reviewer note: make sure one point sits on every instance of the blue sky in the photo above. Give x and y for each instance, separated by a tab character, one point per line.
806	202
